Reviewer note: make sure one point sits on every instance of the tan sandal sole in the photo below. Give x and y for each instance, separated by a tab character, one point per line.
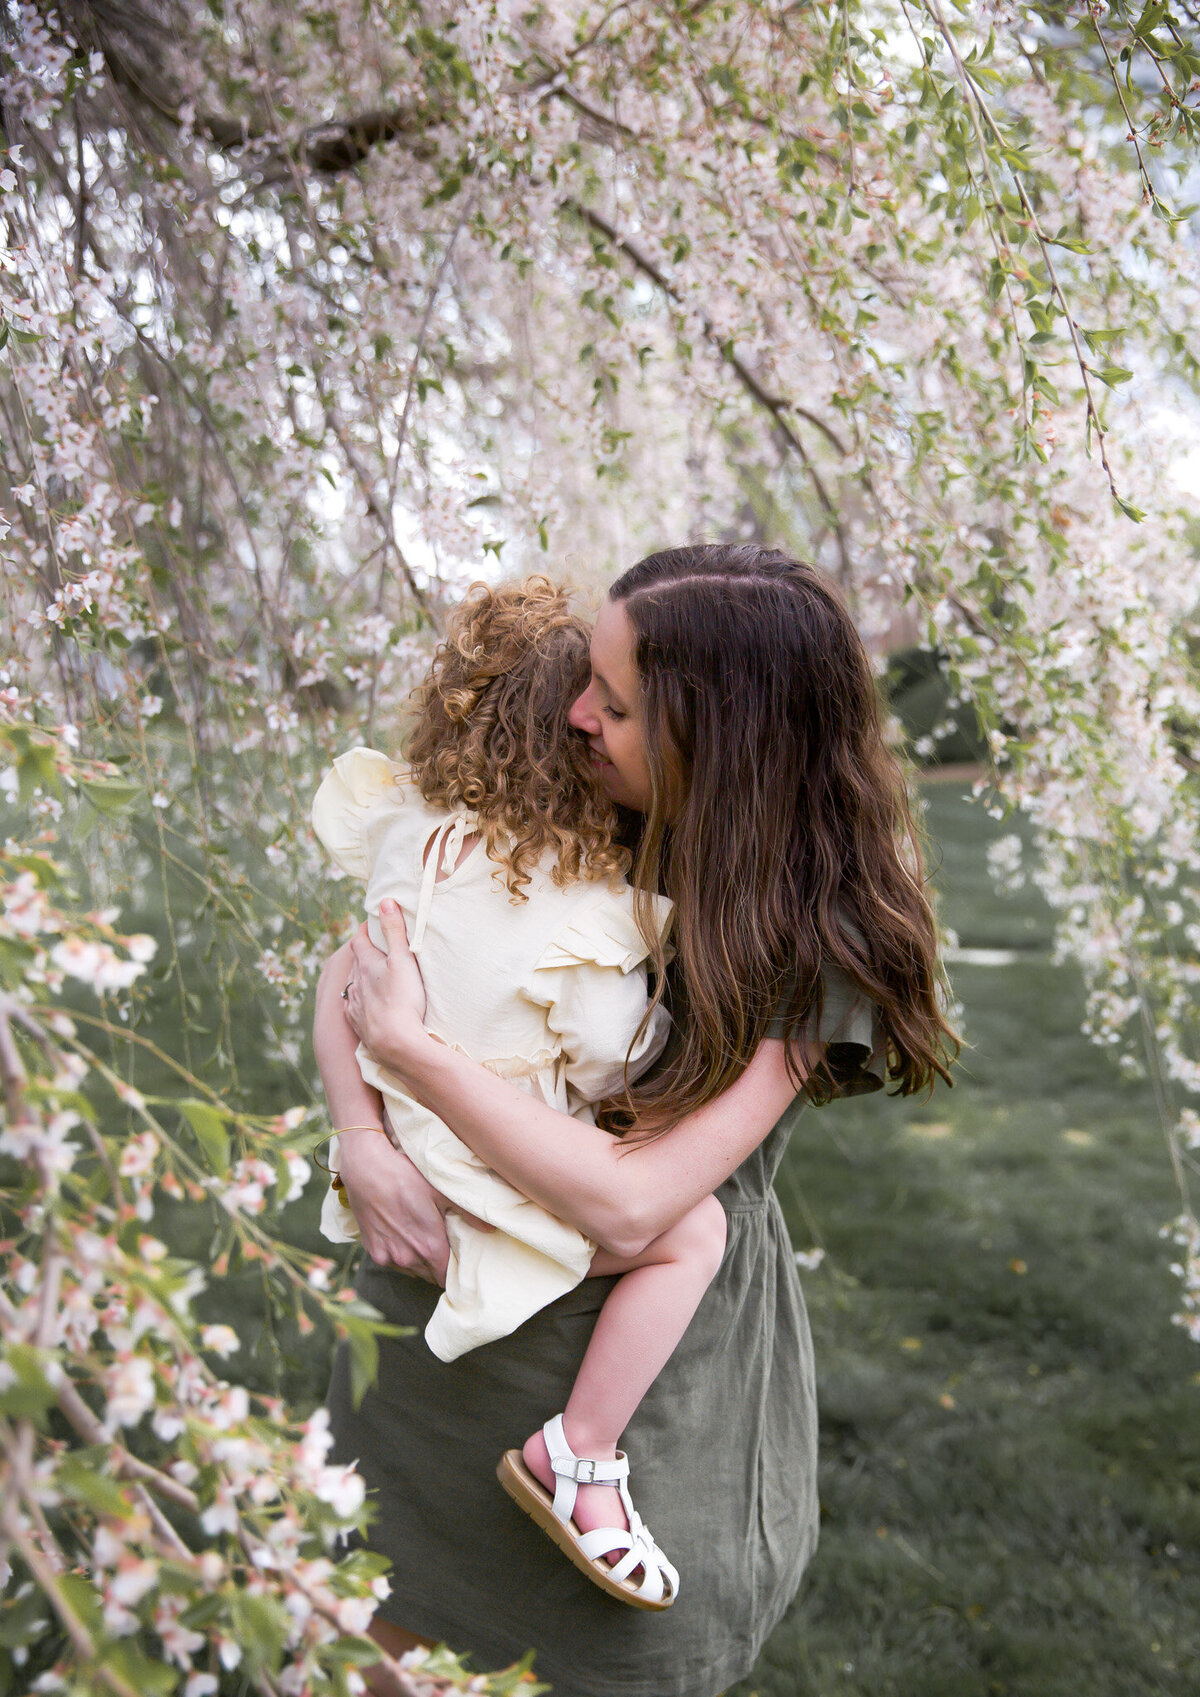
531	1495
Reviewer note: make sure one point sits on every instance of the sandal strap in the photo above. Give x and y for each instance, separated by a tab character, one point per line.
651	1586
640	1551
571	1470
606	1538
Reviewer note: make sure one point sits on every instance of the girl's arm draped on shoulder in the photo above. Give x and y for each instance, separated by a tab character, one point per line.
621	1196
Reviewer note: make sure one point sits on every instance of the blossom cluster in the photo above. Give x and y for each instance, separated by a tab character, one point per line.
102	1321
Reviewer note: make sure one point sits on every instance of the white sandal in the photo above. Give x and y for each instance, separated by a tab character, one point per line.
587	1549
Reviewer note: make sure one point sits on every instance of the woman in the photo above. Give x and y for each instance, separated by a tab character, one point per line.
731	704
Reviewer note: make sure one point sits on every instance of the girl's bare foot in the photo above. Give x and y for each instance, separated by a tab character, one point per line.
595	1505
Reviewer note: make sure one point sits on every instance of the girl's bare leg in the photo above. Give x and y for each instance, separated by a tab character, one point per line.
637	1331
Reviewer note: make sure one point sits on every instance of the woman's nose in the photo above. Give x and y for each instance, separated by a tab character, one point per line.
582	715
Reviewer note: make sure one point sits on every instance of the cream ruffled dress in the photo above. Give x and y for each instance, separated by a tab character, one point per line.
548	993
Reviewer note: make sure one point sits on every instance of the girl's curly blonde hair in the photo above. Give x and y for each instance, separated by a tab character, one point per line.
491	734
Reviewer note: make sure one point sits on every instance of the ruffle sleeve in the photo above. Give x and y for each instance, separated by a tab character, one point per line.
850	1033
360	783
591	980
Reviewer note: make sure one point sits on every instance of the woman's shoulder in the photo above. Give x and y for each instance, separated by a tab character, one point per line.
848	1032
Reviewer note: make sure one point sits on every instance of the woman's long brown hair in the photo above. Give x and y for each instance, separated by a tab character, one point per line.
779	824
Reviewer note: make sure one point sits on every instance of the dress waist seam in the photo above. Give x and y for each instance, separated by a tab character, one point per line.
747	1207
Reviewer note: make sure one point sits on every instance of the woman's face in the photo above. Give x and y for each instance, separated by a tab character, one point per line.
609	712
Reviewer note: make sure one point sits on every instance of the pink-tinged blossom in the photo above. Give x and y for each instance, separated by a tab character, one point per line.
226	1406
229	1654
129	1387
180	1643
138	1155
222	1340
27	908
130	1582
251	1179
221	1515
355	1614
298	1172
95	964
342	1488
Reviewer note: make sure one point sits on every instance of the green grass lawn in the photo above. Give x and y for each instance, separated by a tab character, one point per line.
1010	1452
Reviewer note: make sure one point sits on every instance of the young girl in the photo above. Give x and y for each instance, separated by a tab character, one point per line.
496	842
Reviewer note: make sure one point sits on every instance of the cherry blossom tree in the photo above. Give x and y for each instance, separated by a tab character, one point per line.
311	314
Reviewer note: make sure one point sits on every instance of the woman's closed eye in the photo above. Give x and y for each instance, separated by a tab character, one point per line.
614	713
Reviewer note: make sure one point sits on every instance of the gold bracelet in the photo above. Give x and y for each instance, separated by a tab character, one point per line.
335	1179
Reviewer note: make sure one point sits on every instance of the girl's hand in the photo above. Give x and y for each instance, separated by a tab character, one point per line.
399	1213
385	996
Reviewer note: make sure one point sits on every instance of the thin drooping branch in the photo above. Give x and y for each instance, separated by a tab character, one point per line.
12	1071
776	405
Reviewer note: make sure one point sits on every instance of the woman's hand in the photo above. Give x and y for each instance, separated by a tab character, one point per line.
400	1214
385	996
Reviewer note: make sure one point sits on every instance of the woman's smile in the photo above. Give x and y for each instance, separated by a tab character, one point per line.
608	713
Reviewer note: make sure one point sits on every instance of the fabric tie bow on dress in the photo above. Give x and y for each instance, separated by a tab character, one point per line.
445	846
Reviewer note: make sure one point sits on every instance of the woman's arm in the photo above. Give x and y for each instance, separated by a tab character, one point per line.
398	1211
350	1099
621	1196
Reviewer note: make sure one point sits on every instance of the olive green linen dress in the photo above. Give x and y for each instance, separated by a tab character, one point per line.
722	1453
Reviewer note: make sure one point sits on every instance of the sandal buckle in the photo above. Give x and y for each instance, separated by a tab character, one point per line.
580	1477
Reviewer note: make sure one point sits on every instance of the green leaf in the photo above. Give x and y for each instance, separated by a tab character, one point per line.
14	959
1097	339
152	1678
359	1565
209	1126
260	1625
203	1611
83	1599
80	1477
1153	14
24	1618
110	796
362	1326
364	1359
29	1395
349	1651
1112	374
37	769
